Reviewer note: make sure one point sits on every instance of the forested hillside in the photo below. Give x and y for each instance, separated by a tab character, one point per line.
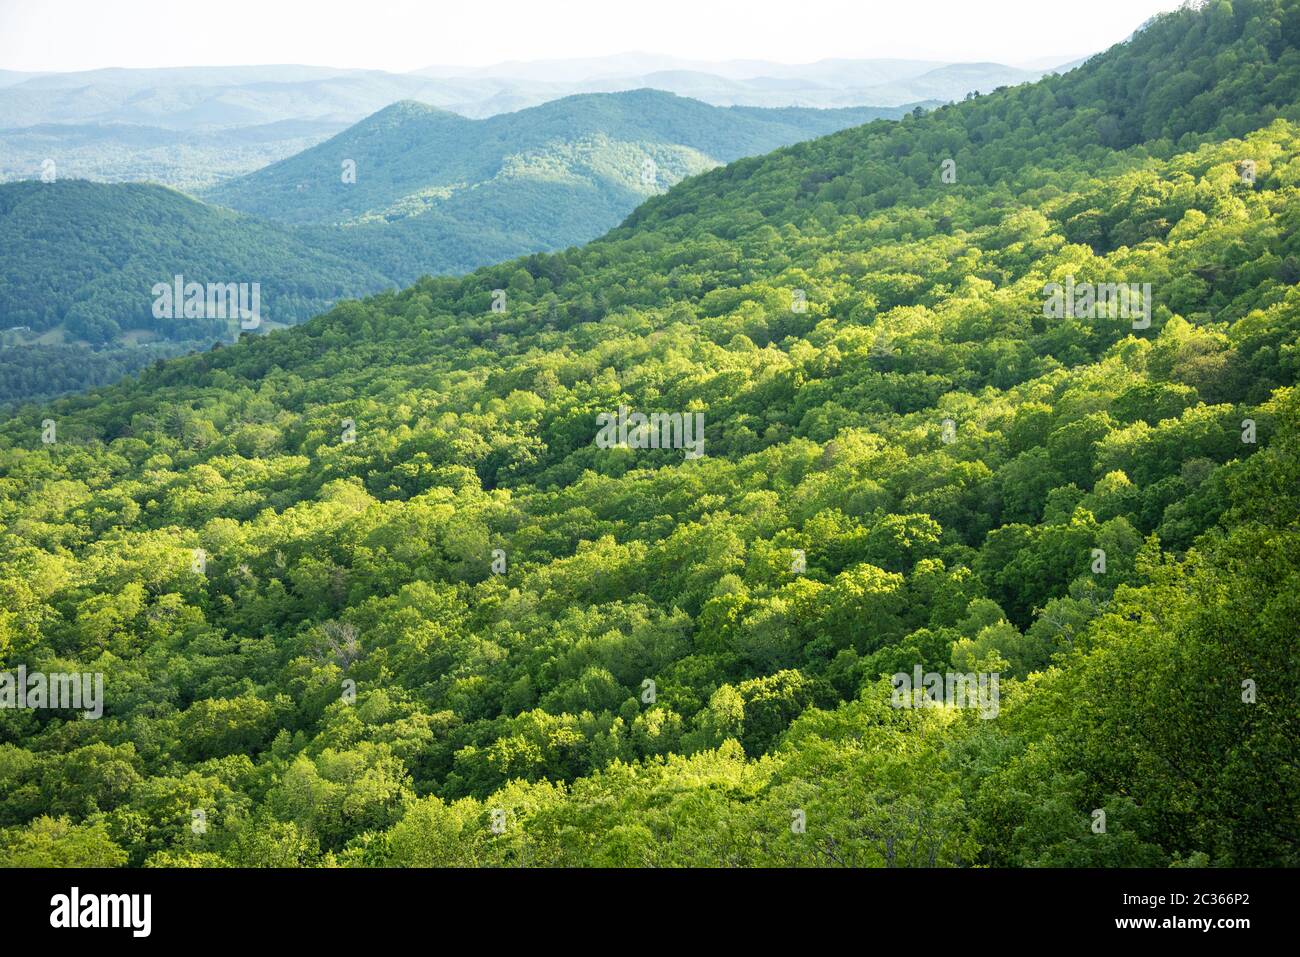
84	257
370	591
81	261
429	192
411	158
432	193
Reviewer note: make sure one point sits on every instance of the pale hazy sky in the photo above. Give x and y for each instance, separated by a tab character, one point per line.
401	35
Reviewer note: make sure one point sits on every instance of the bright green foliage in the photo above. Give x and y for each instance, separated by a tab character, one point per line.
654	678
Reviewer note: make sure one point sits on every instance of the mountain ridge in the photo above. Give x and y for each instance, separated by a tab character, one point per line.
473	150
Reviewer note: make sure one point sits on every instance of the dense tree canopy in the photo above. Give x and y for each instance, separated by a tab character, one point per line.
367	591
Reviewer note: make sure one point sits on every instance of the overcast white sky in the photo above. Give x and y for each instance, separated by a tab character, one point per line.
401	35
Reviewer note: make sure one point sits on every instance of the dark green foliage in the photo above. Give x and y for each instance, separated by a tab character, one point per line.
85	256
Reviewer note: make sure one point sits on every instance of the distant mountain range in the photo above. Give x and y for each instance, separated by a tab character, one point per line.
123	152
193	127
220	97
825	83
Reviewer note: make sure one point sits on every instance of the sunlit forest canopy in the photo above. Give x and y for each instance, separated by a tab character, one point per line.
367	591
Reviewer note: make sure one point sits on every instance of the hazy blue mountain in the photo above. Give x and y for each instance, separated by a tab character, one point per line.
950	82
126	153
10	77
842	71
825	83
224	97
566	70
216	97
